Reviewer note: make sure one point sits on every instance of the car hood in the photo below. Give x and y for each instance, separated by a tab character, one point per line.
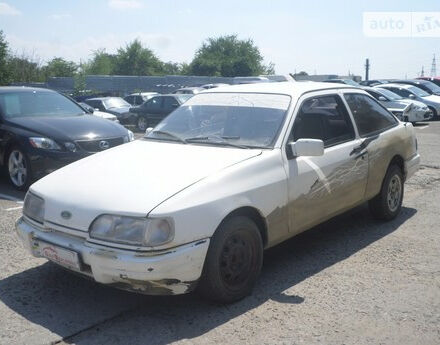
130	179
104	115
432	98
410	101
71	127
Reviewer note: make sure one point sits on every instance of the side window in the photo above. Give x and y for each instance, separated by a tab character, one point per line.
325	118
154	103
129	99
401	92
374	94
370	116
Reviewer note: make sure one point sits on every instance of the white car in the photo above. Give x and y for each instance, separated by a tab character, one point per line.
231	172
96	112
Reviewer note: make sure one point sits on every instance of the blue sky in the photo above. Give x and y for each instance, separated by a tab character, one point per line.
321	36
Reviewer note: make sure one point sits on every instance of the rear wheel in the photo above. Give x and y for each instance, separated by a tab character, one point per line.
387	204
19	171
233	262
142	123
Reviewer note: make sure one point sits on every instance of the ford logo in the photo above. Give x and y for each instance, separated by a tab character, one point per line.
66	215
104	145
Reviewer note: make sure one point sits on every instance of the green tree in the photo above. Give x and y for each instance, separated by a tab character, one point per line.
58	67
227	56
4	71
102	63
135	59
25	69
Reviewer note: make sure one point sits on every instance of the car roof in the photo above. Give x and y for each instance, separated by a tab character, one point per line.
5	89
403	86
293	89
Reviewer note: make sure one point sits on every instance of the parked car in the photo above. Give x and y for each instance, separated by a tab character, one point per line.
113	105
404	109
425	85
417	94
342	81
373	82
42	130
156	109
213	86
98	113
189	90
139	97
435	80
223	177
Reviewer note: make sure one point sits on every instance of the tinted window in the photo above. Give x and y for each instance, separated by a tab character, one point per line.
370	116
374	94
324	118
170	103
37	103
400	92
154	103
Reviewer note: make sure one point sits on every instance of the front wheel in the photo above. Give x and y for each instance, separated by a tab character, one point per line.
142	123
387	204
435	116
19	170
233	262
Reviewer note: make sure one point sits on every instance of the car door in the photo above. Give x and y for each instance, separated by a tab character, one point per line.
169	104
323	186
152	110
376	127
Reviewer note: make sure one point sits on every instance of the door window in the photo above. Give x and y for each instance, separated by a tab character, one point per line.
370	117
154	103
325	118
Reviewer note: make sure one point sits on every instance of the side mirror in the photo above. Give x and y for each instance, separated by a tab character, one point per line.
307	147
382	99
412	96
148	130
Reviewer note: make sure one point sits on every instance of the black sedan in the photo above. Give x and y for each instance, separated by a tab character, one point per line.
42	130
156	109
113	105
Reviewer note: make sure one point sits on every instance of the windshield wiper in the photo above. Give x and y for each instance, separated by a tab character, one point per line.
222	141
171	135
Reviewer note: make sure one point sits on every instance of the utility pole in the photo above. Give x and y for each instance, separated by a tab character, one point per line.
422	73
367	69
433	68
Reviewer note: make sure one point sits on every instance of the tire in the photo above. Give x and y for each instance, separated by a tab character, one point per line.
142	124
435	116
18	168
388	203
233	262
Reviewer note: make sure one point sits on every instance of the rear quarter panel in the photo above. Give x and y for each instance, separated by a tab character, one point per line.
397	141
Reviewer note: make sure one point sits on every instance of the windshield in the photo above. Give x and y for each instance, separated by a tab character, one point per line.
116	102
431	86
183	97
37	103
389	94
351	82
419	92
239	119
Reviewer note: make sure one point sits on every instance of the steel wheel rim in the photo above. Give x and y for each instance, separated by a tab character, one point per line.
235	261
142	124
394	193
17	168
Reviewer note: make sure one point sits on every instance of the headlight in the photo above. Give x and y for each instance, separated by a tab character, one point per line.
44	143
70	146
34	207
133	231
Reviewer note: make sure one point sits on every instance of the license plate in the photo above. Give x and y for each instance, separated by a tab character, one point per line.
62	256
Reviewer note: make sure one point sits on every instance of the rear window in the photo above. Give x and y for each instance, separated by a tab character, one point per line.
37	103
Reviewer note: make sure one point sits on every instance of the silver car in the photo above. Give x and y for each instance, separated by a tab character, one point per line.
416	94
404	109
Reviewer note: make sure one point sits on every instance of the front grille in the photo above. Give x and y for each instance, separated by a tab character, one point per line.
99	144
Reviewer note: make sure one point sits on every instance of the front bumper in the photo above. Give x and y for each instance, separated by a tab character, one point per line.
168	272
412	165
